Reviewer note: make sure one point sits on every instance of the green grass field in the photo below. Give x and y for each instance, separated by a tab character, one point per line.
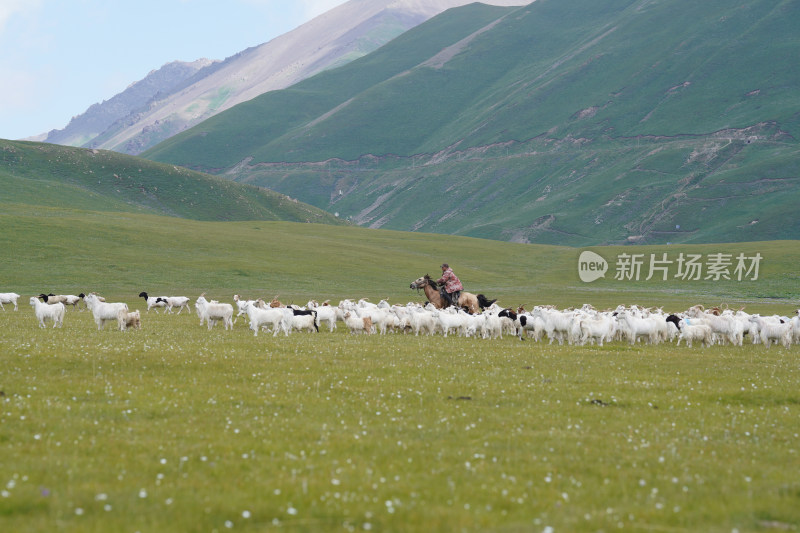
177	428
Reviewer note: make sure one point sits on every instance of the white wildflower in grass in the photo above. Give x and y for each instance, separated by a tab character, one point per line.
78	511
142	493
291	510
101	497
246	514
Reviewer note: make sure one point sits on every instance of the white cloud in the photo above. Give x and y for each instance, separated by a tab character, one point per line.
308	8
17	90
313	8
9	8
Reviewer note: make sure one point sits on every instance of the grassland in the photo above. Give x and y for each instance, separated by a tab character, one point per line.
121	254
177	428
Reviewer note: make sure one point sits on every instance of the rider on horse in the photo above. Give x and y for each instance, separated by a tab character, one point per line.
451	285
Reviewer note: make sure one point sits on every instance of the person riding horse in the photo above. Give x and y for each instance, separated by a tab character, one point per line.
451	285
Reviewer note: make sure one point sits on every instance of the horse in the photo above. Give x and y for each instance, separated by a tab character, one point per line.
466	300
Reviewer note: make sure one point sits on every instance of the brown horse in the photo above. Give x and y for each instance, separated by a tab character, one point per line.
466	300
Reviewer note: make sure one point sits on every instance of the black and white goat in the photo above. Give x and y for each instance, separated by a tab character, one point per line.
66	299
154	301
689	331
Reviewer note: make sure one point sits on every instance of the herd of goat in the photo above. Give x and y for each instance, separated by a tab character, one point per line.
574	326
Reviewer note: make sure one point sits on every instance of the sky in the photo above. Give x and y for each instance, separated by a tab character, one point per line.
58	57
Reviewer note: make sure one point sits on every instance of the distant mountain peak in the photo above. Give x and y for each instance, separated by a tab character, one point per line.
187	93
138	95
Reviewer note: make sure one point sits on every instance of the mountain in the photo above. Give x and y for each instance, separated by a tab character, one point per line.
565	121
41	175
137	98
179	95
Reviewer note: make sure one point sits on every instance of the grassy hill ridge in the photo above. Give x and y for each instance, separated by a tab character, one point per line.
38	174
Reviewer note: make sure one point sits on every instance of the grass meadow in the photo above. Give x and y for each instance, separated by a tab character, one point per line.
177	428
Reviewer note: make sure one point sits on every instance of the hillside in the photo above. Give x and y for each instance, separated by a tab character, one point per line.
570	122
152	110
37	175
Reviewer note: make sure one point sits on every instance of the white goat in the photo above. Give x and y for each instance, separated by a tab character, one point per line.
796	327
129	319
211	312
266	316
104	312
381	317
181	302
758	322
771	332
325	313
695	332
357	324
725	328
652	328
492	326
597	329
451	321
8	298
303	319
421	319
45	312
241	305
557	324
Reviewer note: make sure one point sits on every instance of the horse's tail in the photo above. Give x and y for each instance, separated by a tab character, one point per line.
484	302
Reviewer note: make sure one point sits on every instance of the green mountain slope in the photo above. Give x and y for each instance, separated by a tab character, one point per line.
567	121
48	175
232	136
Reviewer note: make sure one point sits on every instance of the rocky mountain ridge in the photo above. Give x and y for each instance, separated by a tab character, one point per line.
148	112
